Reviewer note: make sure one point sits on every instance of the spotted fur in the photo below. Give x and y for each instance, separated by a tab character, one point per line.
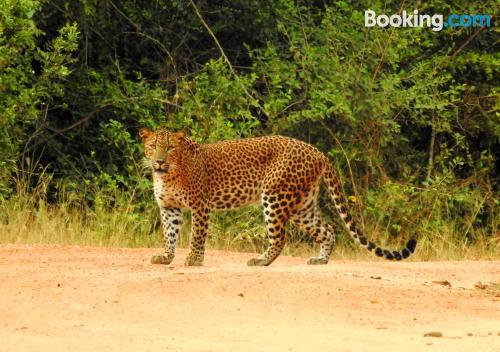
283	174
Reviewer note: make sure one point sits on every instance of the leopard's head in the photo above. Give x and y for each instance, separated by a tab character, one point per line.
158	145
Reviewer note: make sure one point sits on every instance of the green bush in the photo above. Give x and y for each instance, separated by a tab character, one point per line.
408	116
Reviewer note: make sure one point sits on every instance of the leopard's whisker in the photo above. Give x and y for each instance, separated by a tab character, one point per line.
146	163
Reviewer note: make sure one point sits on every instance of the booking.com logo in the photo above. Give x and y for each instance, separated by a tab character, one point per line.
437	22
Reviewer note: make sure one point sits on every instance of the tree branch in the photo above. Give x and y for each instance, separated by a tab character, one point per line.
73	125
464	44
223	54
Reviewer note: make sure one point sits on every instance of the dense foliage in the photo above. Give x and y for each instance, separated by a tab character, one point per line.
409	115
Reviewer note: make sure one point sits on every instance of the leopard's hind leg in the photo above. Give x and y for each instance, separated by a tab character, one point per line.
308	218
277	208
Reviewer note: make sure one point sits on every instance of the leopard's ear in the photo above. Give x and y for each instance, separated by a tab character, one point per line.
177	137
144	133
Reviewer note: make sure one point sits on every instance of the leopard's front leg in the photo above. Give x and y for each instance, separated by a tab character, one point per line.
199	230
171	220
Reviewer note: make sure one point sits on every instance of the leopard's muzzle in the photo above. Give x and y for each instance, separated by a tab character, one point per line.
160	166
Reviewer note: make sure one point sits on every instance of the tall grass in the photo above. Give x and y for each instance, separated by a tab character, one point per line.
116	219
30	218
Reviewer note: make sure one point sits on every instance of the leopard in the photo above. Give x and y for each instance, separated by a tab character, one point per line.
282	173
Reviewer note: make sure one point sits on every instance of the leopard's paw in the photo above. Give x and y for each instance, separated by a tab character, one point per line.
162	259
257	262
317	261
194	260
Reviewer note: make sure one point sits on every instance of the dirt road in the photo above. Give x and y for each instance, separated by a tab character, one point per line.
61	298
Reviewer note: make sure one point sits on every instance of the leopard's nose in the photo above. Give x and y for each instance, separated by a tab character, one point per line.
159	165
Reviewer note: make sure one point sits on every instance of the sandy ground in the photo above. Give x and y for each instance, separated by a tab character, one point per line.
63	298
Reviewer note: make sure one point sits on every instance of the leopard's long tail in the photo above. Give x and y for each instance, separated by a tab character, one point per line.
333	183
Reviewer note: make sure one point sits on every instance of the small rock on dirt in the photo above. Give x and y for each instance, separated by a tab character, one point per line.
479	285
442	282
433	334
